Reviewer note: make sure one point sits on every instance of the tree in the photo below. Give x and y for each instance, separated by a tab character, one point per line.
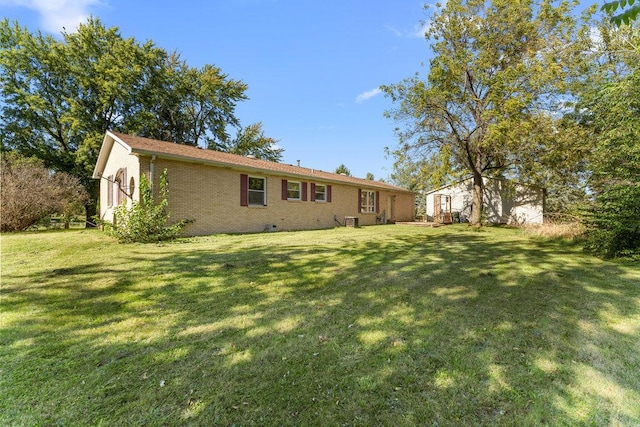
609	111
614	220
343	170
370	176
498	68
59	97
190	105
626	15
251	140
30	192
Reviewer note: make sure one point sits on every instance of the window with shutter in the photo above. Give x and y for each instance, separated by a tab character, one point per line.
257	191
320	193
293	190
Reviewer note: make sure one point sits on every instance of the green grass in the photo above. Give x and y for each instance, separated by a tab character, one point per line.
384	325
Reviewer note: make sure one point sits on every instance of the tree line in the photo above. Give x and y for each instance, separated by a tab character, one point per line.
532	90
60	96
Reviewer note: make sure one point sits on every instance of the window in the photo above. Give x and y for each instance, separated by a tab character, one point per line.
368	201
294	191
120	186
257	191
320	193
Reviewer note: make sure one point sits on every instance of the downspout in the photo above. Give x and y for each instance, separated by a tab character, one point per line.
151	168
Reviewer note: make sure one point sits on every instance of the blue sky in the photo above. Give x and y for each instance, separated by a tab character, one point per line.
313	68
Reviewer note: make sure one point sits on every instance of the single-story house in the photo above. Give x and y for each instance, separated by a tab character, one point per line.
227	193
504	201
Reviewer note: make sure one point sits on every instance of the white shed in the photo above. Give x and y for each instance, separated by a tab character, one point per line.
504	201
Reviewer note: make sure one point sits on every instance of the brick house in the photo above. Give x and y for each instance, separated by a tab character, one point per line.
228	193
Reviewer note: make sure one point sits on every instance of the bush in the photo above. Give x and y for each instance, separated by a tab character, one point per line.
145	221
31	192
613	224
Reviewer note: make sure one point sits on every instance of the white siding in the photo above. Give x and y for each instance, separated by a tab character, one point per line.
505	202
119	158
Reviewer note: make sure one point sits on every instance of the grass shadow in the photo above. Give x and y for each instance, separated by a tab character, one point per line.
381	325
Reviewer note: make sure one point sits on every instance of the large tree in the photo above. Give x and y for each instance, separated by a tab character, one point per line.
59	96
251	140
498	68
608	109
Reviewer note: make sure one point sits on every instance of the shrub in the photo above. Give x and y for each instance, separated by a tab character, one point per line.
145	221
31	192
613	224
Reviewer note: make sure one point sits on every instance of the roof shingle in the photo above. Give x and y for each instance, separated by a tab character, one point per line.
183	152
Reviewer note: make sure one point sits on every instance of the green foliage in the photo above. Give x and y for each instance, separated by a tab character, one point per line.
614	220
145	221
58	97
496	67
608	112
251	140
343	170
189	105
625	16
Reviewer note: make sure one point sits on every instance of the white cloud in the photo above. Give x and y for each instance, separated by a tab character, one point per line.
368	95
418	30
56	15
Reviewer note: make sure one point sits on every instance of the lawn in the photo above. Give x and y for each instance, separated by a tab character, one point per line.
385	325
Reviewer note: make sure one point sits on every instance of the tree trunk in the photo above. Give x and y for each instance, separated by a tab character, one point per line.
476	200
91	205
91	211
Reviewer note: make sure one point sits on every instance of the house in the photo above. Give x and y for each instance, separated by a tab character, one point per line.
504	201
227	193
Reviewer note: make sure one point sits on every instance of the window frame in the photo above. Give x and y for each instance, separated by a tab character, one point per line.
324	193
299	190
368	201
254	191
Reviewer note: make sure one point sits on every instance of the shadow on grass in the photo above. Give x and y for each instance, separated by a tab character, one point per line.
415	327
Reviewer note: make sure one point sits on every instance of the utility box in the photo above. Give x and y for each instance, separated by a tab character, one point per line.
351	221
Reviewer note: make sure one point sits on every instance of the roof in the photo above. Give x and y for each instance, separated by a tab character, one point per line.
170	150
451	184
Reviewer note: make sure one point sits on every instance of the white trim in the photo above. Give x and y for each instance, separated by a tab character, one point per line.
264	190
315	197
